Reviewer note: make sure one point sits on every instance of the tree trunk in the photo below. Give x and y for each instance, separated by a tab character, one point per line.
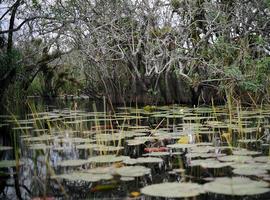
9	76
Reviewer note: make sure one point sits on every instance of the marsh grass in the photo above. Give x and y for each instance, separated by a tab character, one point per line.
102	120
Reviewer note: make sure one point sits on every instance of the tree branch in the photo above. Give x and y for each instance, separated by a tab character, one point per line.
19	26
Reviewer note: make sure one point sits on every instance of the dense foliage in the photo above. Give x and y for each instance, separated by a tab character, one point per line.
151	51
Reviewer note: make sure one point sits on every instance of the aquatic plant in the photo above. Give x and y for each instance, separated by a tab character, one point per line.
173	190
238	186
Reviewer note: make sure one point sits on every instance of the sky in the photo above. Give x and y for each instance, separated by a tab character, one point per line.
4	22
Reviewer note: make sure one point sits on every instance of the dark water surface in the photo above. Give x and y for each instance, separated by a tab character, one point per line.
72	149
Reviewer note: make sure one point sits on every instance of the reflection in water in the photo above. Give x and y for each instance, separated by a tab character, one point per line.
74	149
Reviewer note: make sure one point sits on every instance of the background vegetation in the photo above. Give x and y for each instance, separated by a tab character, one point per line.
149	51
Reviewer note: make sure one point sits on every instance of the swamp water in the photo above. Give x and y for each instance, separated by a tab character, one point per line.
168	152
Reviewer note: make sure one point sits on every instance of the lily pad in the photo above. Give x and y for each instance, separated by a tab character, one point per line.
127	178
108	148
209	163
177	171
181	146
39	138
157	154
135	142
87	146
72	163
204	144
236	158
109	137
149	160
133	171
203	149
245	152
106	159
23	128
9	163
173	190
81	176
39	147
255	166
5	148
130	134
130	161
246	141
262	159
102	170
204	155
249	171
239	186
